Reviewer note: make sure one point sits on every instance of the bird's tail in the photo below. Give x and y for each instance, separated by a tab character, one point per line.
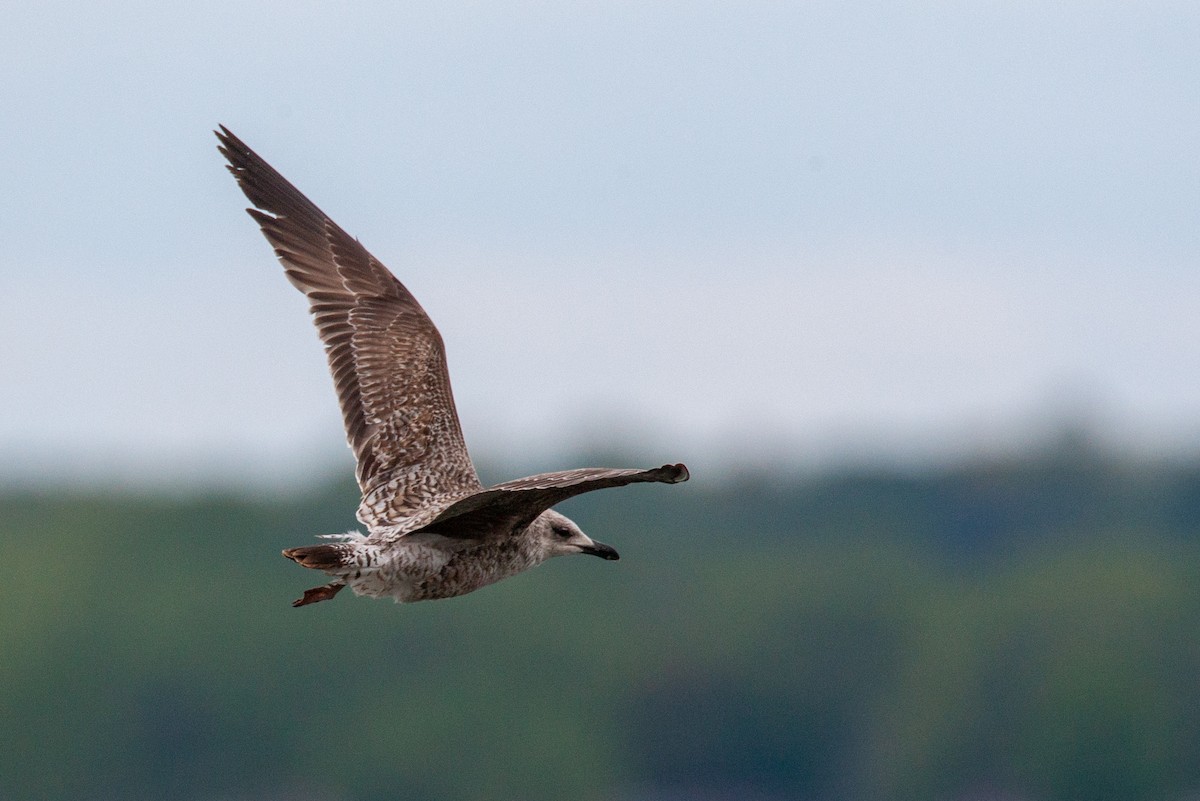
328	557
321	557
338	559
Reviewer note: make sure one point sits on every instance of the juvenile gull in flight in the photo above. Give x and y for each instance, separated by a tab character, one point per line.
433	530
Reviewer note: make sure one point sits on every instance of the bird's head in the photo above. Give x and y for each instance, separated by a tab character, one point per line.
560	536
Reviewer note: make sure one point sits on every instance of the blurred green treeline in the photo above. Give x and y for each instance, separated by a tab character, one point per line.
1027	629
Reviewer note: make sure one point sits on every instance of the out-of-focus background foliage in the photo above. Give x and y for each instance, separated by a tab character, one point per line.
1021	629
911	287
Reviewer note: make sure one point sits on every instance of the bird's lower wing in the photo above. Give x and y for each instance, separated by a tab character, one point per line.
513	505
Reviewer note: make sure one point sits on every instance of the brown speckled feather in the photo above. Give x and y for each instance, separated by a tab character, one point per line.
513	504
433	530
386	356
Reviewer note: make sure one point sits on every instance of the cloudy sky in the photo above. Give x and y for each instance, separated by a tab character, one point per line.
711	231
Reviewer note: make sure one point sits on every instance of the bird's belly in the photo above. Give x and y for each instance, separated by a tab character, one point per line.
423	573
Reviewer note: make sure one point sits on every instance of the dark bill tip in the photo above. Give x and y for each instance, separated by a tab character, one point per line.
603	551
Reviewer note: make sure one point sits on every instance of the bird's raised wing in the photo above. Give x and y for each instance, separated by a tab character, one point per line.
386	356
507	508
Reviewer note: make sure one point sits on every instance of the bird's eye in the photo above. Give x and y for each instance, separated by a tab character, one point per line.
562	531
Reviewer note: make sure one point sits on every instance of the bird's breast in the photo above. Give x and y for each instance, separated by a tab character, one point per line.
476	566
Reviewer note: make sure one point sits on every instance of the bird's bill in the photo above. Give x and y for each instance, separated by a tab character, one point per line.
602	550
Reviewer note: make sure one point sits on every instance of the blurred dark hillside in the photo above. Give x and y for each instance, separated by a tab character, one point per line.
971	512
1021	629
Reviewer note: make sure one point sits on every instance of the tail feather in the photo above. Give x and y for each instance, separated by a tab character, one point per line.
319	557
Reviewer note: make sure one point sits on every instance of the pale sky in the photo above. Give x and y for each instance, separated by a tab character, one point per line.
711	232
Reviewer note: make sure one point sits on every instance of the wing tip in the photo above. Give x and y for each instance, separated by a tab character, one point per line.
675	473
228	143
